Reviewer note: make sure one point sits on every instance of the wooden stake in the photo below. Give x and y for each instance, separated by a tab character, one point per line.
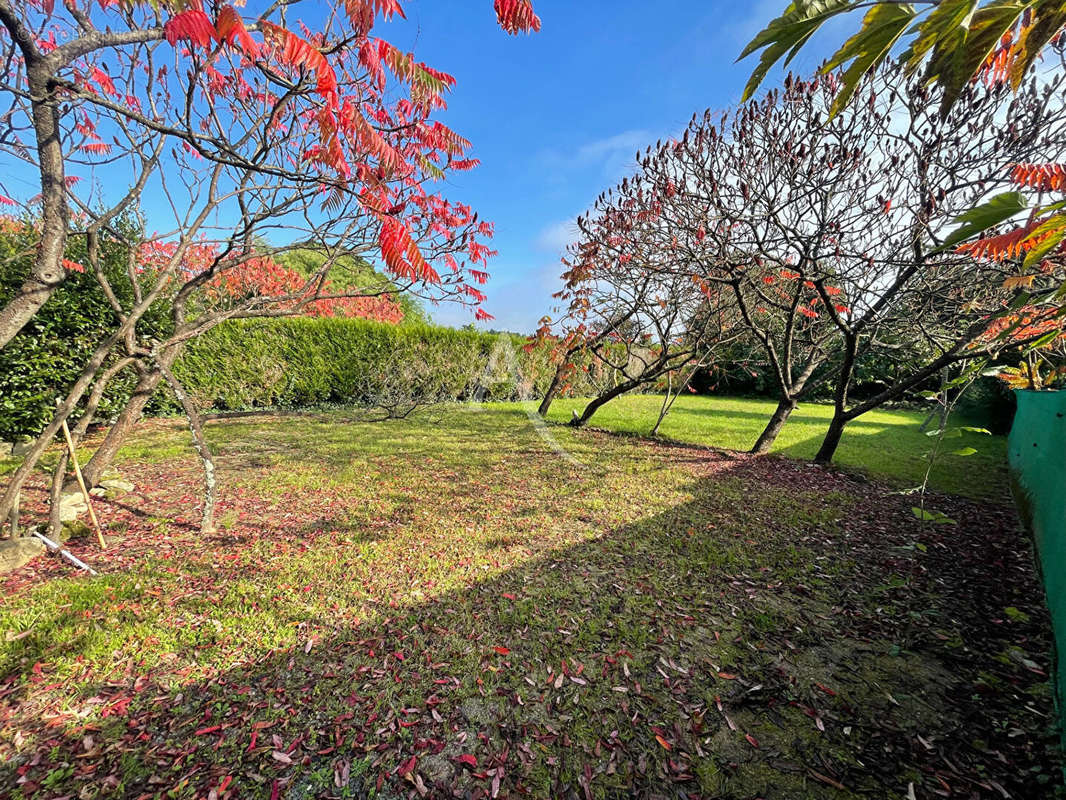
81	483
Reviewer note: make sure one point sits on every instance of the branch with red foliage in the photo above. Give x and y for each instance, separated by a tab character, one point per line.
252	136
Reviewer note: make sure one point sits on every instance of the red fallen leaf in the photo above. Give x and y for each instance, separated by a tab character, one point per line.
503	651
282	757
205	731
728	676
752	740
467	759
826	689
508	595
255	738
398	655
666	745
275	791
225	784
406	767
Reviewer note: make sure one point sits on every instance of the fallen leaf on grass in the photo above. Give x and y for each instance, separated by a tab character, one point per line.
837	784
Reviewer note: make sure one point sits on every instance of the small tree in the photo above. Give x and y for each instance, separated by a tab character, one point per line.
257	137
628	306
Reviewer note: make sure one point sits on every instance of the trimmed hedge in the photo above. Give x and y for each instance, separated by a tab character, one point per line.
300	363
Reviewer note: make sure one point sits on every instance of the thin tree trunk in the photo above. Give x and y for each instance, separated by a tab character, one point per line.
196	428
118	432
840	401
549	395
665	409
832	439
766	439
93	403
55	496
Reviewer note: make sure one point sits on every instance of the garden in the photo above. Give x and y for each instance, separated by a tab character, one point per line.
768	502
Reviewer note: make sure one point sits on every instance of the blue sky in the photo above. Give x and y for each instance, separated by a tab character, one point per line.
557	117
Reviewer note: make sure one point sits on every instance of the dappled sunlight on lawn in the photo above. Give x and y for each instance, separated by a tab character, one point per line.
424	607
885	443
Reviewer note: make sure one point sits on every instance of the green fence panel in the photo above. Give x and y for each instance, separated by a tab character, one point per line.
1037	453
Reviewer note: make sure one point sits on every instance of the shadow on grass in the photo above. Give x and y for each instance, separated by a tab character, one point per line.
785	633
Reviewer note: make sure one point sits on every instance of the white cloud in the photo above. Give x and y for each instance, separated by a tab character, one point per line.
555	237
613	154
625	143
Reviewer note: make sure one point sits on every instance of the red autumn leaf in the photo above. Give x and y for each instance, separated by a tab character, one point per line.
406	767
1043	177
752	740
665	744
516	16
193	25
467	759
503	651
230	29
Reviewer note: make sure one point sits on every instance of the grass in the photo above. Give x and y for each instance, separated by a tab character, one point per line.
887	444
422	608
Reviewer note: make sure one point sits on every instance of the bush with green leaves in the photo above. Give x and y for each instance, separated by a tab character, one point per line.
45	358
304	363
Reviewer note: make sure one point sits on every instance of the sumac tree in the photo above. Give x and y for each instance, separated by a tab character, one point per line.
238	137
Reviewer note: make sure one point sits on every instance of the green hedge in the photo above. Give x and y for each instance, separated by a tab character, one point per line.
243	365
280	363
300	363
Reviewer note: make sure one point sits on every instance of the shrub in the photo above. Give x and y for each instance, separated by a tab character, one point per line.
302	363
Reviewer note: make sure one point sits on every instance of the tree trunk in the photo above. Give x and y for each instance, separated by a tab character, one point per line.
549	395
831	440
604	399
203	450
766	439
840	400
116	435
665	409
47	271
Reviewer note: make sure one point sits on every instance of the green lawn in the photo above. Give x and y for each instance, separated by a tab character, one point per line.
887	444
470	606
